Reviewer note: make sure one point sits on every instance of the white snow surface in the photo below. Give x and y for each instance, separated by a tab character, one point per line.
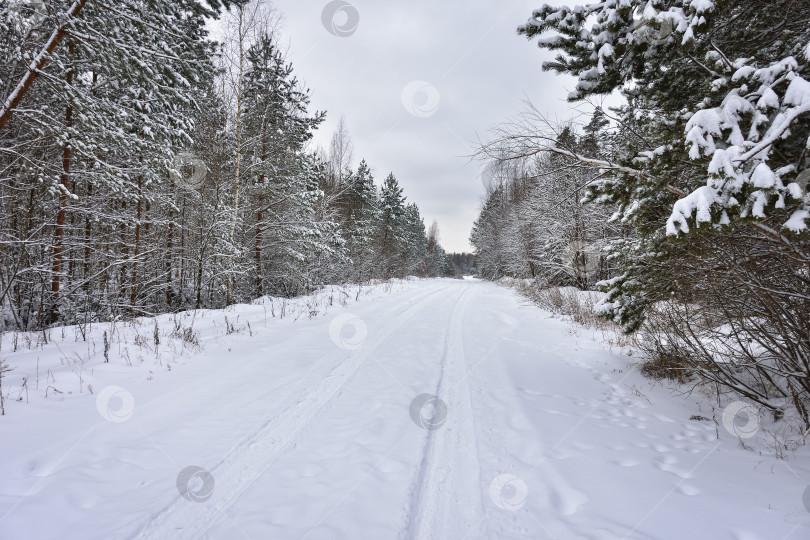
307	430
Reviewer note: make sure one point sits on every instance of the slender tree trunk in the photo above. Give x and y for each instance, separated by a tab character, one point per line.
259	215
258	254
182	232
136	248
88	227
88	239
60	216
168	263
241	37
198	300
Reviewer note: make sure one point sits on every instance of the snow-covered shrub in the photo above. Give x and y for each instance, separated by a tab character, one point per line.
567	301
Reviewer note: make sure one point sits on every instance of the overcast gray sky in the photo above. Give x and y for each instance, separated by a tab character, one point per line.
478	70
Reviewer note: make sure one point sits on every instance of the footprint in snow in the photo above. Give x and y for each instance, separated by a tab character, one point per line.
668	465
567	500
689	491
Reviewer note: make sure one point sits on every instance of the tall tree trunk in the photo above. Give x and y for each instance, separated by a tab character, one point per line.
88	227
198	302
241	37
88	238
258	254
182	232
60	216
136	250
168	263
259	215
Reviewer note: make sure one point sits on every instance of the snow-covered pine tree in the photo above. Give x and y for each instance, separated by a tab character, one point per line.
724	101
284	189
359	208
486	235
98	217
414	248
713	173
391	233
91	140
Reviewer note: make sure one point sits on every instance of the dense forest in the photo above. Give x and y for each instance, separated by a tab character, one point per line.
687	204
145	168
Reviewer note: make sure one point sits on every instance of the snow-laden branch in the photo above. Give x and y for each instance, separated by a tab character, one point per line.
739	176
38	63
606	45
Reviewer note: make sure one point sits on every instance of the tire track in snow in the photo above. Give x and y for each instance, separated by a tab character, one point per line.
254	454
445	500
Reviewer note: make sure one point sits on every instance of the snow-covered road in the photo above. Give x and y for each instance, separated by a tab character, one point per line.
443	409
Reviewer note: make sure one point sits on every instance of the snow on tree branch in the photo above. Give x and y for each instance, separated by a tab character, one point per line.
748	110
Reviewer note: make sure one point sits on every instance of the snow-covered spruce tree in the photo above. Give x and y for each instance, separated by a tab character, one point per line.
713	174
384	237
596	139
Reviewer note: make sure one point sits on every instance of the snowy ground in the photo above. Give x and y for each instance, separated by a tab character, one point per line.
327	427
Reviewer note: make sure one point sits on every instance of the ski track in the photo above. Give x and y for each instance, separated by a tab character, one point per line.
446	498
255	453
